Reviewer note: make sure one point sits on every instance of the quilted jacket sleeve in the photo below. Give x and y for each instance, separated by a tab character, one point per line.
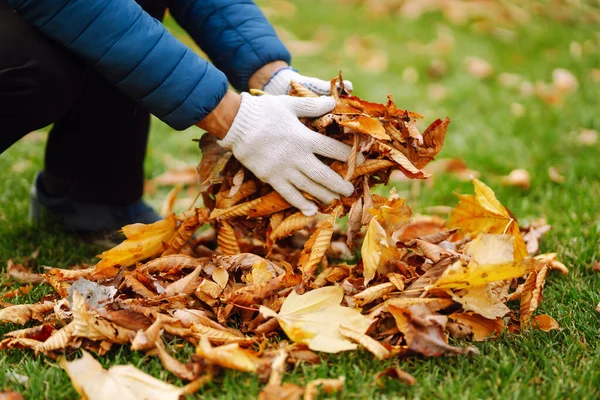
234	33
133	51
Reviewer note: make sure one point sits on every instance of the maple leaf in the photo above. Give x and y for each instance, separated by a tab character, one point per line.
315	319
123	382
143	241
483	213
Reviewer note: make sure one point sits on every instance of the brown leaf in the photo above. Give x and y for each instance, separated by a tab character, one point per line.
395	373
544	322
290	225
227	240
327	385
265	205
23	313
317	244
365	125
424	332
22	274
171	364
186	230
481	327
532	294
366	341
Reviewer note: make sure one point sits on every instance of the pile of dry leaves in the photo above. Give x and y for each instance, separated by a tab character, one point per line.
263	270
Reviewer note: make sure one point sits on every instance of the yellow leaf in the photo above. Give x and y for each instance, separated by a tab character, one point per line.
460	276
228	356
483	213
143	241
123	382
491	260
315	318
482	301
377	250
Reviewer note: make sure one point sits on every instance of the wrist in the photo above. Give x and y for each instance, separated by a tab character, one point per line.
220	119
260	78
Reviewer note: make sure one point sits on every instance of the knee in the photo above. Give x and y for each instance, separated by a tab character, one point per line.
40	90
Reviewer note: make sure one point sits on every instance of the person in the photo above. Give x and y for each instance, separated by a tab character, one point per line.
96	69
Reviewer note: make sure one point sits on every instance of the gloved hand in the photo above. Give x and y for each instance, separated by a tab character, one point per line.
280	83
268	139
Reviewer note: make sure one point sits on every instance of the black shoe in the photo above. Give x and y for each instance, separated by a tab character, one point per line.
86	217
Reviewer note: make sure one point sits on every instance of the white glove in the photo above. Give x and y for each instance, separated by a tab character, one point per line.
268	139
280	83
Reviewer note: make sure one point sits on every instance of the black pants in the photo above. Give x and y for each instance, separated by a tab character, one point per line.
96	148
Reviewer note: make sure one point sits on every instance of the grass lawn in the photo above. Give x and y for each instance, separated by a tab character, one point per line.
495	129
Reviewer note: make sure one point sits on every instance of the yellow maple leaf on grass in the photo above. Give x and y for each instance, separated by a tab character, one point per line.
483	213
315	319
143	241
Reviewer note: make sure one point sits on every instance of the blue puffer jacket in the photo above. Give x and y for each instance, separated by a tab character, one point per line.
136	53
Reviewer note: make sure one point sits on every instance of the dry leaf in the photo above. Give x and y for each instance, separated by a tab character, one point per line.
317	245
544	322
395	373
366	341
228	356
555	176
519	178
123	382
23	313
143	241
327	385
315	319
532	293
481	327
483	213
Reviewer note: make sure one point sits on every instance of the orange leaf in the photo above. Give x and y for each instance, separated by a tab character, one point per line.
482	327
544	322
143	241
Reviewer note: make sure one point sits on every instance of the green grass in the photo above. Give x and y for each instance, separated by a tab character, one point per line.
558	364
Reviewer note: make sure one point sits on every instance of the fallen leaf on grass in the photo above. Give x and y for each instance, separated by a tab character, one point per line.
229	356
481	327
532	293
143	241
555	176
544	322
395	373
22	274
124	382
329	386
518	178
23	313
315	319
376	348
424	332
